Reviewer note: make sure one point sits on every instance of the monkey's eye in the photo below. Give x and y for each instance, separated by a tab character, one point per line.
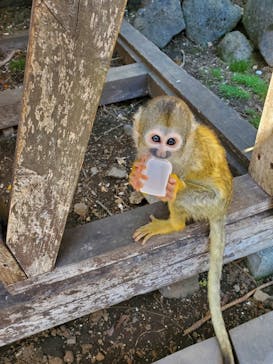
156	138
171	141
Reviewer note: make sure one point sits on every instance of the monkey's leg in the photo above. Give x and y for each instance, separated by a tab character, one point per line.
176	222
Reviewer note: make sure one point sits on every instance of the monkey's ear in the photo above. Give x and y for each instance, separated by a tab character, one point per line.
136	126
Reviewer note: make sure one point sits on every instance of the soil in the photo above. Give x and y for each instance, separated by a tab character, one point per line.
147	327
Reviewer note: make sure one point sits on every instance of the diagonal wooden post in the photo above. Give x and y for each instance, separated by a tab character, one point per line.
261	164
70	48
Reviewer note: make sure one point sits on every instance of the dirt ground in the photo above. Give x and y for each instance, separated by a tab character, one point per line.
147	327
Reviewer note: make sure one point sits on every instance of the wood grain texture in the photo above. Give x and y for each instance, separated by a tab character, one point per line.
10	271
70	48
101	275
261	165
99	282
122	83
227	122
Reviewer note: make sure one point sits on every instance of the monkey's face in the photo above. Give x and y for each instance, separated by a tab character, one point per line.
162	142
162	127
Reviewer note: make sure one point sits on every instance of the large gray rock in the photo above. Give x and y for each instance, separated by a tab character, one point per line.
207	21
258	22
261	264
160	20
234	47
266	45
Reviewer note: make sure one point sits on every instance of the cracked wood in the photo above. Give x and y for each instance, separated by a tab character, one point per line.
70	48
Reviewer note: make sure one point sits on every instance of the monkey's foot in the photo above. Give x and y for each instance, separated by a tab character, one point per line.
156	227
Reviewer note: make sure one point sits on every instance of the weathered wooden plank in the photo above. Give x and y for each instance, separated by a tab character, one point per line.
10	271
78	289
261	166
253	342
70	48
10	106
14	41
122	83
248	200
125	83
204	103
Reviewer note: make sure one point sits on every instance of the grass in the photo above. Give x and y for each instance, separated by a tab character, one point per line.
233	92
254	117
252	82
240	66
216	73
17	65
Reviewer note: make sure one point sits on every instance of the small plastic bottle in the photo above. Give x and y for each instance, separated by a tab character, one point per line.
158	172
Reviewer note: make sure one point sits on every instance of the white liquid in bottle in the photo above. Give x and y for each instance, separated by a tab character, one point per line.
158	172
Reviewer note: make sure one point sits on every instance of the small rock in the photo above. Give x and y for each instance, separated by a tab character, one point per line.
259	72
261	296
236	288
81	209
86	348
71	340
260	264
128	129
100	356
234	47
136	198
207	21
55	360
68	357
94	171
160	20
117	172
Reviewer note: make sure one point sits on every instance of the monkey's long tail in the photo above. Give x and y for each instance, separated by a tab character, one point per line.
217	244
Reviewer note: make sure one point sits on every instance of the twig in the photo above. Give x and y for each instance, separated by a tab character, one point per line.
108	131
8	58
104	207
147	332
207	317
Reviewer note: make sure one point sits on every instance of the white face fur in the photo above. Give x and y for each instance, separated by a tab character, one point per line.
162	142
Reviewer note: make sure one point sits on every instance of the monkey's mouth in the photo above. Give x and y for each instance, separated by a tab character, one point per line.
158	154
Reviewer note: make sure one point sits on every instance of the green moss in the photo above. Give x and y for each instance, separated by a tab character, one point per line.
216	73
240	66
233	92
253	82
17	65
254	117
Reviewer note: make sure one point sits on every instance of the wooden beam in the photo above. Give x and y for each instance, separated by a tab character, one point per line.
125	83
206	105
19	40
104	274
122	83
70	49
10	106
261	165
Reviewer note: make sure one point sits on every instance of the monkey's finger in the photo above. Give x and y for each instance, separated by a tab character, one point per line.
172	181
147	237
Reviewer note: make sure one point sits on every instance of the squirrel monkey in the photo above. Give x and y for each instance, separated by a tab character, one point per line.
199	188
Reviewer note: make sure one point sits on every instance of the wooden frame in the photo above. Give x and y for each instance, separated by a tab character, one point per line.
89	274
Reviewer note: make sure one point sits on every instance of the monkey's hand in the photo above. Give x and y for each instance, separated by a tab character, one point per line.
137	176
174	185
